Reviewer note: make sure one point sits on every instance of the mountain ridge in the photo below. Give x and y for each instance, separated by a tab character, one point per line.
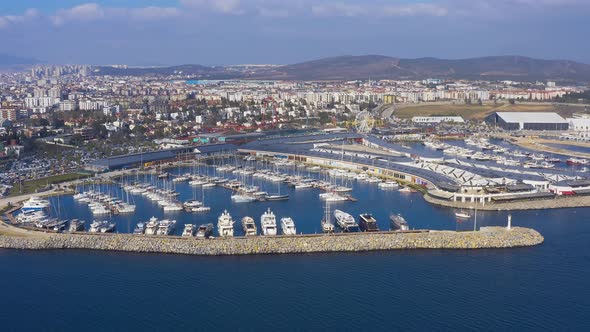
350	67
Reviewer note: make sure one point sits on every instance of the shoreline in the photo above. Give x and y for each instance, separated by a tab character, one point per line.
485	238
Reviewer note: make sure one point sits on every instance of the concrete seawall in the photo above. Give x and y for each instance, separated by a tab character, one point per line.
488	237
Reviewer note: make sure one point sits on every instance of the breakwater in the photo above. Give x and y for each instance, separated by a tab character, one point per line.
487	237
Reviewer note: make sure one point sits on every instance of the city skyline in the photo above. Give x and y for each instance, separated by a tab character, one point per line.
226	32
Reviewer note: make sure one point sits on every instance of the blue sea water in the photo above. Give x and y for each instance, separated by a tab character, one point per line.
525	289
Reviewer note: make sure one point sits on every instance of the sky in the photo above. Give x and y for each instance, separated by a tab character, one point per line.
222	32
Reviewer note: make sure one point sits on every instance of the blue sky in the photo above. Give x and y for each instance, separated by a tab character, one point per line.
213	32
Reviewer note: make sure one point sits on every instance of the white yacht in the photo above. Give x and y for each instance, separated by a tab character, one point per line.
189	230
225	224
345	221
35	204
249	226
192	204
268	223
166	227
152	226
288	226
243	198
388	185
172	207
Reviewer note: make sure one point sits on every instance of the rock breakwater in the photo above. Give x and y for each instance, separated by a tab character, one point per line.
489	237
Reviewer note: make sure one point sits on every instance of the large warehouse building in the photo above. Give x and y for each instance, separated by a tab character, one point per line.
528	121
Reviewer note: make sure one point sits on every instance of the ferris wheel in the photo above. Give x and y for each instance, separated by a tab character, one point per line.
364	122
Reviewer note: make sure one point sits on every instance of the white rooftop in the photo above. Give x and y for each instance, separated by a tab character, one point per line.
531	117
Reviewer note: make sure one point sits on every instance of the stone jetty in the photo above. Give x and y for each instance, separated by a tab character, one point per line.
487	237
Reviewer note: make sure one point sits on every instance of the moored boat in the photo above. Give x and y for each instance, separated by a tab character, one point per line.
398	223
367	223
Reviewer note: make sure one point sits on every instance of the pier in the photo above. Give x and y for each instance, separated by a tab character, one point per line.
486	238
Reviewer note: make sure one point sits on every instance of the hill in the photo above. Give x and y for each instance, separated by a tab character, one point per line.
383	67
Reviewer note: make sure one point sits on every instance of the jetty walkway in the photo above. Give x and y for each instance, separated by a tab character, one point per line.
487	237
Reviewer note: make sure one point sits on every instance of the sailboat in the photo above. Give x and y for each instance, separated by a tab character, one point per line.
327	226
202	207
278	196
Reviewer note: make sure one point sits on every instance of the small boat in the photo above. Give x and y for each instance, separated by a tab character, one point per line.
242	198
398	223
189	230
205	231
277	197
407	190
76	225
288	226
139	229
192	204
249	226
367	223
163	175
462	215
388	185
166	227
201	209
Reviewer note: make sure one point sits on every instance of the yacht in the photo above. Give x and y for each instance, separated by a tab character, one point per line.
345	221
277	197
367	223
189	230
101	227
249	226
303	185
462	215
388	185
166	227
225	224
173	207
205	231
139	229
76	225
398	223
192	204
288	226
242	198
332	197
407	190
268	223
201	209
152	226
35	204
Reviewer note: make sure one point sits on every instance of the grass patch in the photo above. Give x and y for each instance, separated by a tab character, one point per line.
29	187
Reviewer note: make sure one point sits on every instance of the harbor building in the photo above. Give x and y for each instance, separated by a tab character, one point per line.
528	121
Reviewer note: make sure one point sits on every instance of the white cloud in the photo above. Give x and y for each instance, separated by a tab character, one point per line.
219	6
93	12
377	10
8	20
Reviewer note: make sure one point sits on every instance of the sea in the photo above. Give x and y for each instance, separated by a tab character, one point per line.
544	287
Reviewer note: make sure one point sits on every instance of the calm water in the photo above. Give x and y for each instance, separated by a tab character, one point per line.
539	288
